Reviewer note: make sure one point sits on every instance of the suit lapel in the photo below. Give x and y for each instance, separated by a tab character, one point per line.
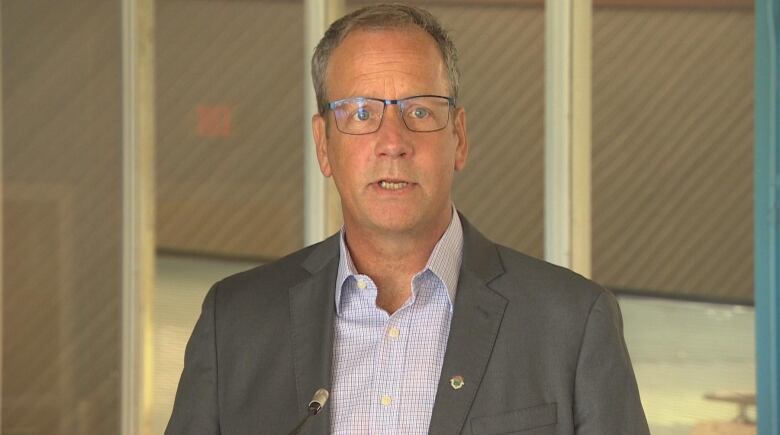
312	310
475	324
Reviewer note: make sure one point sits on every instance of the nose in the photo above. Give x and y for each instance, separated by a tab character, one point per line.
393	137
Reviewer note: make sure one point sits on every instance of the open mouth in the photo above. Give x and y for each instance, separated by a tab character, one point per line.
392	185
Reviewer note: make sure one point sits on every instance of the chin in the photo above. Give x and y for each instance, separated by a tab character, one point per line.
394	226
394	222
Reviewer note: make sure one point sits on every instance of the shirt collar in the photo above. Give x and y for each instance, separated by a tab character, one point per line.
444	261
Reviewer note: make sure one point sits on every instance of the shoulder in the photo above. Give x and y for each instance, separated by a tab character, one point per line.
525	281
554	304
552	291
271	280
555	279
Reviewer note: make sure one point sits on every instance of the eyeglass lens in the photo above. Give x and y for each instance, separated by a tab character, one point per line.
364	115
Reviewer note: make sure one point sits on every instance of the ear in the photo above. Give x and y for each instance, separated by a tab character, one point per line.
462	149
319	129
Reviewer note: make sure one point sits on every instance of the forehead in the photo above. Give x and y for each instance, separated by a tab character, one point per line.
386	63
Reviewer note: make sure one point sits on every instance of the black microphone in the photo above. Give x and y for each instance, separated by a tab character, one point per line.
315	406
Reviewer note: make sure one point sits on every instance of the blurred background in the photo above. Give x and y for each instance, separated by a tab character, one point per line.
672	192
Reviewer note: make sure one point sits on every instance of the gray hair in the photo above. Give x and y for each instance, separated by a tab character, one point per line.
382	16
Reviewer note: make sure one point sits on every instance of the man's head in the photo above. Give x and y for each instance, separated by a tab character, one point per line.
391	154
377	17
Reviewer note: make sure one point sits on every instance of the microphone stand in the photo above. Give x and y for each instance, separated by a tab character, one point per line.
314	408
318	401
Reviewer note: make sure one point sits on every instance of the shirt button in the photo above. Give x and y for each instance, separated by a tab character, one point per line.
394	332
361	284
387	400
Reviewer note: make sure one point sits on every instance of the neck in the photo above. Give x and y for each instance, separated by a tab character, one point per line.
395	252
391	259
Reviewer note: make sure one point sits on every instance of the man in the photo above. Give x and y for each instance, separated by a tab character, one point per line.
411	319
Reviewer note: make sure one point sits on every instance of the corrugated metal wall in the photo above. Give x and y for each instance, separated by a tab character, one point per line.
672	151
230	127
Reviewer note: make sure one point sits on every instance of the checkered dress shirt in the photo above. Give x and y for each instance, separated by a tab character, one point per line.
386	367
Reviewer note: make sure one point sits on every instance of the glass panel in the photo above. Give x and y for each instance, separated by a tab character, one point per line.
672	205
62	217
694	365
230	126
672	151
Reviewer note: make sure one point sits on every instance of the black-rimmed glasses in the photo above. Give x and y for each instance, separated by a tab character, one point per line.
363	115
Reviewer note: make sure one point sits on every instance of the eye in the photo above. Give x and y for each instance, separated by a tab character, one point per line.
362	114
420	112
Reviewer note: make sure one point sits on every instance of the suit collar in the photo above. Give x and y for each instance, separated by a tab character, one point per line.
322	254
479	254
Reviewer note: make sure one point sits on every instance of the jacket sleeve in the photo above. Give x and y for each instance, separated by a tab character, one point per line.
606	399
196	408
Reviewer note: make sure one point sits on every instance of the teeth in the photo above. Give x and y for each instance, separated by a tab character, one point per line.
392	186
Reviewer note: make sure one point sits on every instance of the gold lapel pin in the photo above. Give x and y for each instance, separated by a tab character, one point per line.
457	382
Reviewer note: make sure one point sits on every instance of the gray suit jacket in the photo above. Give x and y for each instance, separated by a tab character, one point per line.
539	347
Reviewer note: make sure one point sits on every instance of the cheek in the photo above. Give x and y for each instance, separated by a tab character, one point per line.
346	163
446	156
338	155
440	171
